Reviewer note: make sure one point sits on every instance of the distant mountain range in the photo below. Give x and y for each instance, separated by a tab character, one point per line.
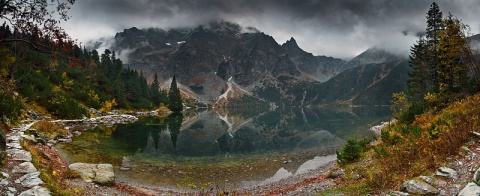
221	62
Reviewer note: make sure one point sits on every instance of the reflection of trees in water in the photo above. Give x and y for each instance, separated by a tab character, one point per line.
209	132
174	122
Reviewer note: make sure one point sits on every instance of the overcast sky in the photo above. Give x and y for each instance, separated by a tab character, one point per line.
338	28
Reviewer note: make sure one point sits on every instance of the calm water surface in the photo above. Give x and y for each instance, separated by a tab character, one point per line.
230	148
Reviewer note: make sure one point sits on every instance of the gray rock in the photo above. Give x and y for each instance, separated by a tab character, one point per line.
13	138
337	173
446	172
4	182
25	167
5	175
476	134
14	145
417	187
104	175
428	179
65	140
29	138
397	193
98	173
476	177
36	191
471	189
22	155
11	189
126	164
30	180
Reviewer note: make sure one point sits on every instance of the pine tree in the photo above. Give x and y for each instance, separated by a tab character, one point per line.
154	92
174	97
434	25
424	57
164	96
419	82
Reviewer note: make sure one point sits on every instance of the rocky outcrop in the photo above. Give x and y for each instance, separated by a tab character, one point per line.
98	173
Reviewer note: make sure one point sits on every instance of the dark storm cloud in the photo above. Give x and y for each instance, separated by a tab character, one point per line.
339	28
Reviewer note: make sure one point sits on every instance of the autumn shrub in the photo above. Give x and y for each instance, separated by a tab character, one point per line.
49	129
412	149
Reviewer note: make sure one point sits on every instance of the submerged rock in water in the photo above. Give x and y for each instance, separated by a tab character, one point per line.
99	173
126	164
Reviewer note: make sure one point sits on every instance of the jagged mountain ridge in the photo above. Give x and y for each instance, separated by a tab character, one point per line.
206	57
320	68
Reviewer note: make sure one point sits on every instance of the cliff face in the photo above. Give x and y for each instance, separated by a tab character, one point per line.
221	57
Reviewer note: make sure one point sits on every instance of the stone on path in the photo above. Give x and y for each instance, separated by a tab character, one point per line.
36	191
22	155
30	180
4	182
471	189
13	138
446	172
23	168
419	188
397	193
14	145
11	191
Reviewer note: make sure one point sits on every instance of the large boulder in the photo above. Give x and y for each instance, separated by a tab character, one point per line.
476	177
418	187
99	173
470	189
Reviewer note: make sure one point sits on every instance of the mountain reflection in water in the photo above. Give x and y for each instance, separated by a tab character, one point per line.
208	145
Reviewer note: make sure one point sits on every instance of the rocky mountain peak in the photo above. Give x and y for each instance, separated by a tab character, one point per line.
292	47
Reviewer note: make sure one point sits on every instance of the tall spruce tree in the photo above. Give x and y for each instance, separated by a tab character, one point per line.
424	57
174	97
419	82
434	25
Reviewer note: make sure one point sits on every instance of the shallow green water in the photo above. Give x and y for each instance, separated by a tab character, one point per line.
229	148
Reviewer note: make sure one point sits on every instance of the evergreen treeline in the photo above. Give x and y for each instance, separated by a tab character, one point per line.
444	68
68	81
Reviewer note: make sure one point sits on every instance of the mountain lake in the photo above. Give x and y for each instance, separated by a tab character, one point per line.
234	148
